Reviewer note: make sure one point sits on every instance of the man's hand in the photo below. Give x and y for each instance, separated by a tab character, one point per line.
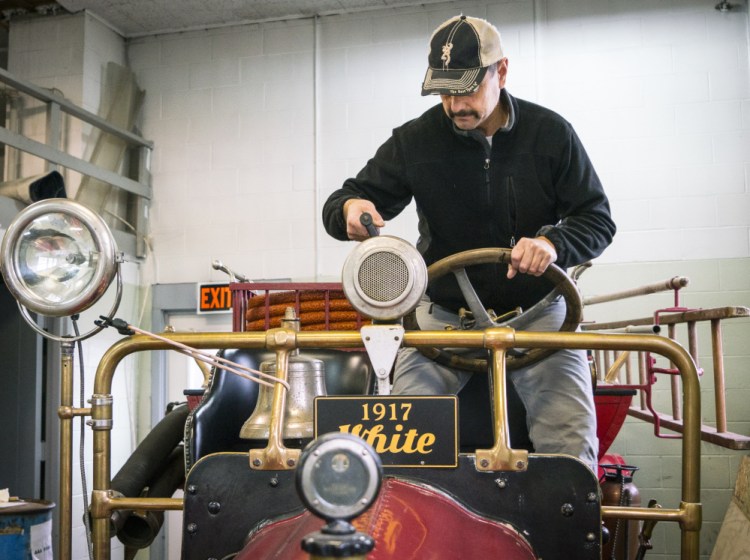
353	209
531	256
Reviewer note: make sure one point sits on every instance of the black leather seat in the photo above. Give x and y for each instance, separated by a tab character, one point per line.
215	424
230	399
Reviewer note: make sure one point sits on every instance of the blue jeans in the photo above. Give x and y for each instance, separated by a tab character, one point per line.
556	391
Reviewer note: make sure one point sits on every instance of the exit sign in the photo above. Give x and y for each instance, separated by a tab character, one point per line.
214	298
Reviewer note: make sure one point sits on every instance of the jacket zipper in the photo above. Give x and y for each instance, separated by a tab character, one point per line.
488	191
512	211
487	186
512	217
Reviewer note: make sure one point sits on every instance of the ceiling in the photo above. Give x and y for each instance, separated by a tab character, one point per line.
134	18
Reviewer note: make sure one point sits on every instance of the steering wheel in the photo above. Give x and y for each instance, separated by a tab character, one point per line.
562	285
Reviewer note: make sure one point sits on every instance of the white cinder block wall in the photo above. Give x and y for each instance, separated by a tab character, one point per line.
255	125
278	115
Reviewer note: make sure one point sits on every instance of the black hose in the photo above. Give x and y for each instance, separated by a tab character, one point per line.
150	457
148	460
141	527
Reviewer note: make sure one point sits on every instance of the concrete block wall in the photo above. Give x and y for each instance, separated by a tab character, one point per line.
49	53
231	113
67	55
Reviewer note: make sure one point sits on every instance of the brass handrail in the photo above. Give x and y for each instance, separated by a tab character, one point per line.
688	514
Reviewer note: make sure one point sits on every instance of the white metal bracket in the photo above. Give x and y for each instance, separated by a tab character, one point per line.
382	343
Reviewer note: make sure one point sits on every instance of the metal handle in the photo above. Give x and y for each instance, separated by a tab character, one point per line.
366	220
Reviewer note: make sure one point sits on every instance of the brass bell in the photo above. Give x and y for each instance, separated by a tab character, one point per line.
306	378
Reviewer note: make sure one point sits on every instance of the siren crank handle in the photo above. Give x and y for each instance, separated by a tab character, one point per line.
366	220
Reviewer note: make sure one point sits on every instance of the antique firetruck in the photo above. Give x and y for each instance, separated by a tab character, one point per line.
329	464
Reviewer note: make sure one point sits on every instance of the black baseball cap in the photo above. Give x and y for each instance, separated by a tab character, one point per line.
461	49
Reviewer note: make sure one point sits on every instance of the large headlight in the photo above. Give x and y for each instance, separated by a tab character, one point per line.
58	257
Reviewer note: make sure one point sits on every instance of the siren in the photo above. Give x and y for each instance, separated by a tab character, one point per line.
384	278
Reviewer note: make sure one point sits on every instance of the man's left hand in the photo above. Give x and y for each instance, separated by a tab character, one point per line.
531	256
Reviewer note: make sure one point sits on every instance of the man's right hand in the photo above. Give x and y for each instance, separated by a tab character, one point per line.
353	209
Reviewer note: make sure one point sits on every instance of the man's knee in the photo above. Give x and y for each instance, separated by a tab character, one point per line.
415	374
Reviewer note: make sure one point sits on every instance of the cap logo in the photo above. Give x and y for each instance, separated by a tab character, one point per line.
446	56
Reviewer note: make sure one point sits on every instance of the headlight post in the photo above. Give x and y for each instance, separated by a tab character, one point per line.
58	259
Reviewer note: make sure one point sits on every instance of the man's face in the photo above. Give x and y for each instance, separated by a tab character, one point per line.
477	110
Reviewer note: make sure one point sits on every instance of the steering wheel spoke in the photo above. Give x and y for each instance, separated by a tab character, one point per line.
482	319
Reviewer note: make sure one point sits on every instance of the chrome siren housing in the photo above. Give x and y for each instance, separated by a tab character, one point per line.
384	278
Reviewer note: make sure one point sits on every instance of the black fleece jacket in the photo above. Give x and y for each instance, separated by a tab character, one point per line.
535	179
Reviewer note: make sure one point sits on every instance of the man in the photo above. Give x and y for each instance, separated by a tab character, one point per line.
489	170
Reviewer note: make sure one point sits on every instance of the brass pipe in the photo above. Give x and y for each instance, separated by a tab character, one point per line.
614	370
642	513
102	412
501	457
276	456
66	450
141	343
100	534
101	424
106	503
148	504
473	339
71	412
656	344
690	535
279	402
